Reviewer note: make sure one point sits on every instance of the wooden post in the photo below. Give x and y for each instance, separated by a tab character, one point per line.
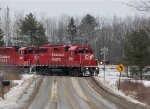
2	78
120	68
119	82
2	91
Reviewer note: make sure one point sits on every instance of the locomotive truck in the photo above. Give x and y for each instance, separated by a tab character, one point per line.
72	60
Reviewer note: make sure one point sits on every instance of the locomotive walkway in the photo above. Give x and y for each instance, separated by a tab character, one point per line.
75	93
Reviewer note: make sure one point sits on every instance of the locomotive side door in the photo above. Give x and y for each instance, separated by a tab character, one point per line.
71	55
74	58
80	55
22	56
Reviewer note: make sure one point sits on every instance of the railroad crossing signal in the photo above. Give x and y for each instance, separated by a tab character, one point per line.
103	50
120	68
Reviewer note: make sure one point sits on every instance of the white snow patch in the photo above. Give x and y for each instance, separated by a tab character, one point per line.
26	76
144	82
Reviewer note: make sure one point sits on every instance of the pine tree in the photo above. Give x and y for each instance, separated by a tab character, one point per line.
72	30
87	28
40	36
136	49
31	27
1	37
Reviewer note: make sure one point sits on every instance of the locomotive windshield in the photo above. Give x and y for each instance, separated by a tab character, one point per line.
32	52
91	51
80	50
42	50
66	48
57	49
84	50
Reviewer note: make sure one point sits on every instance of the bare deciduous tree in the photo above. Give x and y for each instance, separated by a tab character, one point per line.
140	5
16	37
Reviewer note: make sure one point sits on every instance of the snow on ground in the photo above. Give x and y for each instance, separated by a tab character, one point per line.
16	92
111	79
23	78
146	83
112	76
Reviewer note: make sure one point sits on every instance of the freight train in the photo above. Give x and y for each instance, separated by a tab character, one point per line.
72	60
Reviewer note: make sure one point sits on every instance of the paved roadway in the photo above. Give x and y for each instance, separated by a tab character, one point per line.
58	92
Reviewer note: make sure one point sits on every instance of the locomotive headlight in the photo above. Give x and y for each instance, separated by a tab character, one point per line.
87	68
96	68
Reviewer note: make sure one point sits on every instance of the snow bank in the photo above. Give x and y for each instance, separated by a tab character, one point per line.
144	82
112	76
16	92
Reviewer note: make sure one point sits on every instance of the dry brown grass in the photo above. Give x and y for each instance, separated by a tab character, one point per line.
11	73
136	90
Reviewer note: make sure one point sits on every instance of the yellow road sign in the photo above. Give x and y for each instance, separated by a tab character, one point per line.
120	68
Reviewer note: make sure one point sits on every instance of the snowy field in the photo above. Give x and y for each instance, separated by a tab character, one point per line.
112	76
111	81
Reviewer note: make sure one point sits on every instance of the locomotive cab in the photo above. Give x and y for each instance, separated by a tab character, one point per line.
82	54
28	56
86	58
82	58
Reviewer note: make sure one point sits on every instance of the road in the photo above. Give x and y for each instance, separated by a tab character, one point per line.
56	92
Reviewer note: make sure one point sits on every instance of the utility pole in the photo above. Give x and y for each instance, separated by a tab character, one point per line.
104	61
7	27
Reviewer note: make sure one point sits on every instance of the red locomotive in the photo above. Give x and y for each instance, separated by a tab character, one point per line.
75	60
8	56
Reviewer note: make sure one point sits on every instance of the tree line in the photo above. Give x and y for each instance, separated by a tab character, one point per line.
126	38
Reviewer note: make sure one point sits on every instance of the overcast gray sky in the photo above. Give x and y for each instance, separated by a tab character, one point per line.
54	8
